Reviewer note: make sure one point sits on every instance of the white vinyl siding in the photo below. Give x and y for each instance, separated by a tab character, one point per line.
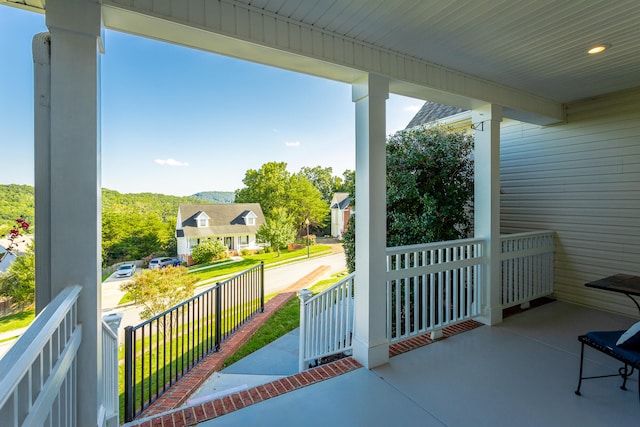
582	180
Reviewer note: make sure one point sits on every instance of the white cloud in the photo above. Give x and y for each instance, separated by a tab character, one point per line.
292	144
170	162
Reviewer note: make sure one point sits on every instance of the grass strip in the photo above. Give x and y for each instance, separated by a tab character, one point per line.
280	323
17	320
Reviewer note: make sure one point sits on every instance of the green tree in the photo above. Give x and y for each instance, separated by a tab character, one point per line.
349	244
277	230
348	184
429	185
429	188
274	187
18	283
160	289
208	251
305	202
16	201
322	179
267	186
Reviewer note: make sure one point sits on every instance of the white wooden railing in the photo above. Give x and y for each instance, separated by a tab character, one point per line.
110	401
326	322
431	286
527	266
38	374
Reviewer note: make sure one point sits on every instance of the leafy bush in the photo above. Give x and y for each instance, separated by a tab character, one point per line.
18	283
349	244
160	289
208	251
303	240
429	185
278	230
245	252
429	188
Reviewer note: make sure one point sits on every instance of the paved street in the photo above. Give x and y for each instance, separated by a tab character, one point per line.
276	279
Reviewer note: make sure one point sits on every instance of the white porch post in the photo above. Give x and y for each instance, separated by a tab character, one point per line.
487	204
370	345
68	184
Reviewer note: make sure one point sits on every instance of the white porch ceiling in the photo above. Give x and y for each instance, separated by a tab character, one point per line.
529	56
535	46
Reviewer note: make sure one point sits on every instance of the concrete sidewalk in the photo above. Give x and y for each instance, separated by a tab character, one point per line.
274	361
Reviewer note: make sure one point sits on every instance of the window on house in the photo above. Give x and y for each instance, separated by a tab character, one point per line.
202	222
244	240
251	221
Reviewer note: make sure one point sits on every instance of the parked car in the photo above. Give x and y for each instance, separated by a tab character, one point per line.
126	270
163	262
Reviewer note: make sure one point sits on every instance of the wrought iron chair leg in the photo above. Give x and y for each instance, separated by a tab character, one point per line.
580	378
625	373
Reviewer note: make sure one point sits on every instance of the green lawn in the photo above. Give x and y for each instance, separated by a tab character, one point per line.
270	258
16	321
282	322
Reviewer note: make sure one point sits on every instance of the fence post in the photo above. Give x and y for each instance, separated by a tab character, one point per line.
262	286
128	374
218	289
304	295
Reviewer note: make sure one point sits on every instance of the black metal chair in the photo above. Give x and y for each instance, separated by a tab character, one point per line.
605	342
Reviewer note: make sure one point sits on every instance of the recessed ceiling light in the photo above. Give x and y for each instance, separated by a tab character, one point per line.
598	49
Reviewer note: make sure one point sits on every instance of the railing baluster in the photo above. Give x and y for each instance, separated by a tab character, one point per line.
437	284
195	327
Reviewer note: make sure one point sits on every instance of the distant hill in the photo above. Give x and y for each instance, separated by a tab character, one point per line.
216	196
17	200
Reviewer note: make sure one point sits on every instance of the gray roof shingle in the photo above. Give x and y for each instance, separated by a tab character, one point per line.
224	219
432	111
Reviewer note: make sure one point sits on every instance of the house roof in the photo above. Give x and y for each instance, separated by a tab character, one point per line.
340	200
432	111
224	219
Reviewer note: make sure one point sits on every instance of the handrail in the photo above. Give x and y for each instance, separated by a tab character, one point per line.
110	399
433	285
326	322
526	266
394	250
39	369
27	349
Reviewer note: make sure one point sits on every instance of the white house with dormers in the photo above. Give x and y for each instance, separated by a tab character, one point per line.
236	224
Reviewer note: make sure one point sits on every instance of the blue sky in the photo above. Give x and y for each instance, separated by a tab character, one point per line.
178	121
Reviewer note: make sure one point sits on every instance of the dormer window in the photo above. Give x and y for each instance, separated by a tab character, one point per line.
250	218
202	220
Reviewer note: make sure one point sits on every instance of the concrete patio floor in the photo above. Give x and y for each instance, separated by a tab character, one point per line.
520	373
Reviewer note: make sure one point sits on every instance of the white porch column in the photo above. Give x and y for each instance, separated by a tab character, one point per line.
370	346
487	204
68	183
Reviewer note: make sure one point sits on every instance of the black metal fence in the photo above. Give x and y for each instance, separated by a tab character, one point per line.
161	350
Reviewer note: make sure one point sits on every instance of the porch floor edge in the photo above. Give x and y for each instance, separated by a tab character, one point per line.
191	415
